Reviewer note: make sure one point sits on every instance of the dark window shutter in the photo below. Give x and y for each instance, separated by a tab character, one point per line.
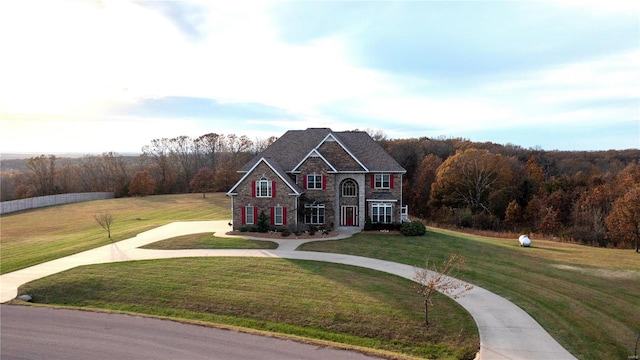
391	181
244	215
273	189
273	213
284	216
324	182
253	188
304	181
373	181
255	214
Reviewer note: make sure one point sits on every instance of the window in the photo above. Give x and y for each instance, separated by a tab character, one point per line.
314	181
381	213
314	214
382	181
263	188
278	215
349	188
248	215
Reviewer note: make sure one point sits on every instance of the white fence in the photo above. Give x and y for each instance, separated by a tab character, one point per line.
7	207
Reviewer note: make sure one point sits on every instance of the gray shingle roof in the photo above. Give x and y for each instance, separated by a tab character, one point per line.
294	145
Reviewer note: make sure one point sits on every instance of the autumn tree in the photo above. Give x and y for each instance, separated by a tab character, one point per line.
141	184
203	181
43	170
441	279
513	216
105	220
550	223
623	222
421	190
468	179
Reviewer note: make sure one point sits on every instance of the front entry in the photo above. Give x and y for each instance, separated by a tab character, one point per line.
349	216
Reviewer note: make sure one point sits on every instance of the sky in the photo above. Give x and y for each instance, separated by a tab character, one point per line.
98	76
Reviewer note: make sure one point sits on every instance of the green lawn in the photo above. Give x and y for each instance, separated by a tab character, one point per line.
587	298
208	241
329	302
35	236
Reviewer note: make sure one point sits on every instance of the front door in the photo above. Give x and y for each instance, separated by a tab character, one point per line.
349	216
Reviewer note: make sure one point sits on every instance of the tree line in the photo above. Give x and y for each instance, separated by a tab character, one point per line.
589	197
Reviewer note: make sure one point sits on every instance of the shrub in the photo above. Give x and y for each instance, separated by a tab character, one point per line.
263	222
285	232
367	223
414	228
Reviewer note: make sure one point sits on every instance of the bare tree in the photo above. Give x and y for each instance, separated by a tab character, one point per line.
105	220
441	279
43	170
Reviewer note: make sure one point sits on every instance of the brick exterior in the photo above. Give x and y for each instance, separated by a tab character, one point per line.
245	196
333	156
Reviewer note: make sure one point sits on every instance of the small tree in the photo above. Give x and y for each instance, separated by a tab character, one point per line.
263	222
441	279
203	181
105	220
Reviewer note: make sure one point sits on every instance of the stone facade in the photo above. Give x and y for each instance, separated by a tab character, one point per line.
317	177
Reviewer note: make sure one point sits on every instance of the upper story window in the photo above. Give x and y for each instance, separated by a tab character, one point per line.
349	188
314	181
263	188
382	181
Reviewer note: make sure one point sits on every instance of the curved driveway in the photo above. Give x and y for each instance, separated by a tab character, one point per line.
506	331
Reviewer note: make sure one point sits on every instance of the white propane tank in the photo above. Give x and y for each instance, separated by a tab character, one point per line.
524	241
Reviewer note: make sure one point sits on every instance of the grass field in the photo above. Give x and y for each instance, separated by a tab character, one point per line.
587	298
35	236
329	302
208	241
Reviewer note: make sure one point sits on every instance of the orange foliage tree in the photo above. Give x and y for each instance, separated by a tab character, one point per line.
141	184
623	222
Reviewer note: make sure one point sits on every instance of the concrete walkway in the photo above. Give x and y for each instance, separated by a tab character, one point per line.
506	331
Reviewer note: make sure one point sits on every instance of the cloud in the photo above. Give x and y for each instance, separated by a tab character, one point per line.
260	68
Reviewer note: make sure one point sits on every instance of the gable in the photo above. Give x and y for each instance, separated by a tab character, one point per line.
338	156
349	151
264	165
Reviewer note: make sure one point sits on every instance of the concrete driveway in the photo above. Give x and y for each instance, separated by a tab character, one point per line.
506	331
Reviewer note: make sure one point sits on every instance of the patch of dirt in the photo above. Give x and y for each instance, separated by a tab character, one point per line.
603	273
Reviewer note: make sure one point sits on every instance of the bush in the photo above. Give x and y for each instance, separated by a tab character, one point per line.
414	228
367	223
285	232
263	222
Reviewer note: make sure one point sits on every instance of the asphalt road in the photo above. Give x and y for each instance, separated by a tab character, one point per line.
43	333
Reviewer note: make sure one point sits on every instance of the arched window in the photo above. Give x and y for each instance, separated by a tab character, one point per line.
349	188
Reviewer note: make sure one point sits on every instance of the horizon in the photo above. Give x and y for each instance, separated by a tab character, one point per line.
556	75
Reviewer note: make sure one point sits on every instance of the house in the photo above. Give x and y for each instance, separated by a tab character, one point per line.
319	177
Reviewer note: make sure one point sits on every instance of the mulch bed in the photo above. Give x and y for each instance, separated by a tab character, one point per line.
278	235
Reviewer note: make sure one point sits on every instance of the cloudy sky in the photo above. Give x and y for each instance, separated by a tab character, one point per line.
95	76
